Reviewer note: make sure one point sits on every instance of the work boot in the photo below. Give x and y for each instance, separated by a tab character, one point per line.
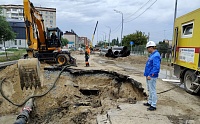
146	104
151	108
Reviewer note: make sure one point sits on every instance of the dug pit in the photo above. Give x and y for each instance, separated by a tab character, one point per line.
78	97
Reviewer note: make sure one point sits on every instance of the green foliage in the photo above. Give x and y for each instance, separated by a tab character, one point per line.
139	38
6	32
64	41
12	55
11	49
114	42
139	49
102	44
163	48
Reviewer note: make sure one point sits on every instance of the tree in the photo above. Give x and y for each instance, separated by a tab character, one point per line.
6	32
139	38
163	48
115	42
64	41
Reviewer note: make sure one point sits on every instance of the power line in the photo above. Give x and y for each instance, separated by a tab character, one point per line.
142	12
117	28
139	8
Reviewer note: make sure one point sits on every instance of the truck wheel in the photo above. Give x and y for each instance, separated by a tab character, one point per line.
62	59
189	77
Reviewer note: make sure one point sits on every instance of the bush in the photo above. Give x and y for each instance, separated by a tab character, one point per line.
11	49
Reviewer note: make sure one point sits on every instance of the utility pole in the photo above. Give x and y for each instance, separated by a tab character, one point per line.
175	12
109	35
122	24
122	28
174	45
104	39
97	36
148	37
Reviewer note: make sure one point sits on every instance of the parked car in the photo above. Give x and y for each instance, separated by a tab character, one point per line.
3	48
14	47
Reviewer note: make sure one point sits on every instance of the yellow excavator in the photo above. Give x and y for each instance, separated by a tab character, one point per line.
41	47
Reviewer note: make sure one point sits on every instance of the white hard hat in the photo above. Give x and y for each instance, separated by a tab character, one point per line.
150	44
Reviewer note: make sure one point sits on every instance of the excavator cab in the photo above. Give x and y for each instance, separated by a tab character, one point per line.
54	37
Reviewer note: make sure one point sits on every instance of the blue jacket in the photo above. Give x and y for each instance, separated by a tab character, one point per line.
152	67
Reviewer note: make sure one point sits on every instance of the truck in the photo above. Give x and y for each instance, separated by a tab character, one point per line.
186	50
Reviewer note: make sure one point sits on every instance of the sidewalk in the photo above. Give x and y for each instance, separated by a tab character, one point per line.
132	114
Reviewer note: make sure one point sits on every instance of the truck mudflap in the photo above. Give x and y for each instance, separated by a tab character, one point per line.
29	72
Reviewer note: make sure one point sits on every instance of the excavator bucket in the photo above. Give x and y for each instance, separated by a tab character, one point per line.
29	72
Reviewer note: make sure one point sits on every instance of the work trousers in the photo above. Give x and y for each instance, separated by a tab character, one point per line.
86	59
151	87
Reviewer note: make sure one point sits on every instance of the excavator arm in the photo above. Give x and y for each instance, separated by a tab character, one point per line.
40	47
35	31
29	69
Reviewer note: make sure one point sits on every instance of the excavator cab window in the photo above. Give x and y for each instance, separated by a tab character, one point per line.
54	37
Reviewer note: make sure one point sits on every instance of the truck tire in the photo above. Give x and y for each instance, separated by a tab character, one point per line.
62	59
189	77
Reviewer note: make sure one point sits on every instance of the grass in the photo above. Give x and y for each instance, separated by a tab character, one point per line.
166	60
12	54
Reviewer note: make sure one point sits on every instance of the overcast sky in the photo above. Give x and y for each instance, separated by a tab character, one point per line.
153	16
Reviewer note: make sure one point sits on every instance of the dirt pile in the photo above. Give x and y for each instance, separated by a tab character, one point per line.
133	59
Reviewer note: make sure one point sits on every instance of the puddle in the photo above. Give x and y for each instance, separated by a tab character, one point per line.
167	74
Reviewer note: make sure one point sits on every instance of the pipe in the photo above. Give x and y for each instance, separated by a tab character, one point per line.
23	117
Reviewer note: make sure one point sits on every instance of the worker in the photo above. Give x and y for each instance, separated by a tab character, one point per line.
151	72
87	56
54	37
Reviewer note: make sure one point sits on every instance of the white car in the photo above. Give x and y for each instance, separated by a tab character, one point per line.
14	47
3	48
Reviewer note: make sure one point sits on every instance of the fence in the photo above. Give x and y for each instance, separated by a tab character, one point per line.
141	50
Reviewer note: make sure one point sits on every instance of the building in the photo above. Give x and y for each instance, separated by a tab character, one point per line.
85	41
18	27
16	12
73	38
14	15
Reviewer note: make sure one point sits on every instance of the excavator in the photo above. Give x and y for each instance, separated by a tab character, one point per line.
41	47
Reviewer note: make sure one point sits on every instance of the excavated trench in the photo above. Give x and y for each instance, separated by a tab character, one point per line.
78	97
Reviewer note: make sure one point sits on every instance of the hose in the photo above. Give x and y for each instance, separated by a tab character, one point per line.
176	86
33	96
